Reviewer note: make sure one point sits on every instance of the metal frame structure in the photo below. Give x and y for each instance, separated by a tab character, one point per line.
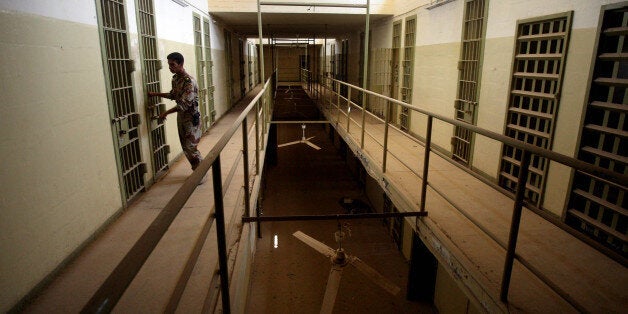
518	197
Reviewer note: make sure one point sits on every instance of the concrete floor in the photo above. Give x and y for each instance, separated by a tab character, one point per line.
291	277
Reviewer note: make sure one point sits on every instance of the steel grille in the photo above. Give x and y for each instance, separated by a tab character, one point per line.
469	66
394	75
151	66
597	207
407	65
124	117
208	74
535	89
200	71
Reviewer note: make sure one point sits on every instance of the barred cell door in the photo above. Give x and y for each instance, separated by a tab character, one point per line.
468	78
125	120
250	64
150	75
229	67
394	68
597	207
209	81
408	68
241	69
537	74
200	71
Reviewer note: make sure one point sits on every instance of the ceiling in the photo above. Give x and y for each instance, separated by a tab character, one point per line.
295	25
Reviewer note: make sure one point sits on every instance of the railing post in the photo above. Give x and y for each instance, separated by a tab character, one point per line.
348	104
337	94
245	160
426	162
514	226
385	136
257	146
348	116
221	235
264	110
329	91
363	119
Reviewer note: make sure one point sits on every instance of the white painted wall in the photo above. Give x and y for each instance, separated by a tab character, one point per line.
56	146
55	135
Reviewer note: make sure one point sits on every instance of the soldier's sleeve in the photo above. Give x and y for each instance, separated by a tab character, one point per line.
187	96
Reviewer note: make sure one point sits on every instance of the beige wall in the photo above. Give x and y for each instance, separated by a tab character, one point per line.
58	174
434	89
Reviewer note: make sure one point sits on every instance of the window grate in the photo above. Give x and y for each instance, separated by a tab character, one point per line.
469	67
124	117
407	65
596	207
151	66
535	87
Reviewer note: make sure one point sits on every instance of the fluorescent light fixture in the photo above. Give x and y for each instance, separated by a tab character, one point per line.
275	241
182	3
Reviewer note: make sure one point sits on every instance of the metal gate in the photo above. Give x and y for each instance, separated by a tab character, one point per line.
534	96
118	68
598	207
408	67
394	75
200	72
468	78
209	81
150	75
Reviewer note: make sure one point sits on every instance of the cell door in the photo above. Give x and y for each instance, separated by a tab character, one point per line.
125	120
208	66
250	64
200	71
151	80
539	60
597	207
394	68
468	78
229	68
408	69
241	68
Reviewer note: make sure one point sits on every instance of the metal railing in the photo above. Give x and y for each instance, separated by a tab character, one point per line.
329	88
110	292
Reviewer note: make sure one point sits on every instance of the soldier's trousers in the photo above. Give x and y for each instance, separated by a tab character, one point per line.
189	136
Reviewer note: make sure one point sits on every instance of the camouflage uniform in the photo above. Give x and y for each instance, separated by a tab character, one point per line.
185	93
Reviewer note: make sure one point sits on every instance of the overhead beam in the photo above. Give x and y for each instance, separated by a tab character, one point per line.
316	4
333	216
299	122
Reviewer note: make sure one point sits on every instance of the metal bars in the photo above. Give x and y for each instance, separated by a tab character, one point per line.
407	66
535	90
208	66
468	78
200	71
596	207
394	76
124	118
150	70
529	151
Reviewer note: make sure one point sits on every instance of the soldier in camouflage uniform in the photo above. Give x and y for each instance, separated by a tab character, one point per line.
185	93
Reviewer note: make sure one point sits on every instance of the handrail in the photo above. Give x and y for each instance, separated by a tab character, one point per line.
110	292
621	180
617	178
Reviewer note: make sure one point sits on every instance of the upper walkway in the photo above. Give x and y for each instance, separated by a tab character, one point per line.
468	223
467	229
180	272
